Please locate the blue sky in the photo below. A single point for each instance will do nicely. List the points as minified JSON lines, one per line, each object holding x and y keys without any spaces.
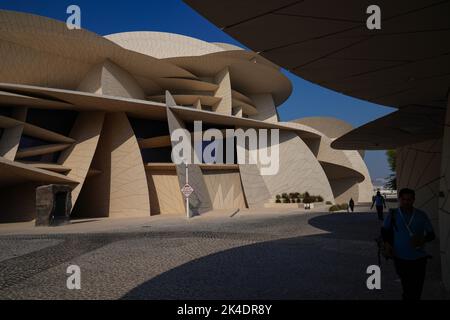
{"x":106,"y":17}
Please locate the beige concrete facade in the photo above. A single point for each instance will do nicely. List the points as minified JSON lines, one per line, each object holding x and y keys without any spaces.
{"x":298,"y":170}
{"x":97,"y":113}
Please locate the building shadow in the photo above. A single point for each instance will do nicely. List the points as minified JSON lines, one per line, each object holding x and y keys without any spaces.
{"x":323,"y":266}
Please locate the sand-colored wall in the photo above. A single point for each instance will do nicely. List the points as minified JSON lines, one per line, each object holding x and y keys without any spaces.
{"x":223,"y":92}
{"x":255,"y":189}
{"x":225,"y":190}
{"x":9,"y":142}
{"x":344,"y":190}
{"x":86,"y":131}
{"x":163,"y":45}
{"x":299,"y":170}
{"x":425,"y":167}
{"x":331,"y":128}
{"x":365,"y":188}
{"x":265,"y":106}
{"x":120,"y":189}
{"x":30,"y":66}
{"x":109,"y":79}
{"x":163,"y":187}
{"x":418,"y":168}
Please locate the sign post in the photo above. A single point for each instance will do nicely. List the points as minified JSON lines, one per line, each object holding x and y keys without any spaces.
{"x":187,"y":195}
{"x":187,"y":191}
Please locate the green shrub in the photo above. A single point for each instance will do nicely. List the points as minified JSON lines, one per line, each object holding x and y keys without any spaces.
{"x":308,"y":199}
{"x":338,"y":207}
{"x":328,"y":203}
{"x":334,"y":208}
{"x":297,"y":197}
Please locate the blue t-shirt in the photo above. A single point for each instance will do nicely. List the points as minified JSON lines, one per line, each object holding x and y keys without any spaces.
{"x":420,"y":225}
{"x":379,"y":200}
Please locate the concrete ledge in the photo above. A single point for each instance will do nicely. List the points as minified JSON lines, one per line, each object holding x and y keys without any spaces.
{"x":293,"y":205}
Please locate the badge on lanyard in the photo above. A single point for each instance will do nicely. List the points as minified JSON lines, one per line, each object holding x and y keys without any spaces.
{"x":416,"y":240}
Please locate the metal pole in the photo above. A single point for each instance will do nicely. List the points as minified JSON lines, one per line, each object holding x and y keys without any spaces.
{"x":187,"y":198}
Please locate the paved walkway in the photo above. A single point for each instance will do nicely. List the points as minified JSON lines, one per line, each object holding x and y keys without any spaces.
{"x":251,"y":255}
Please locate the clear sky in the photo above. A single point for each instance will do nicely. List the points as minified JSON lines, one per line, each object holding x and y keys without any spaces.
{"x":106,"y":17}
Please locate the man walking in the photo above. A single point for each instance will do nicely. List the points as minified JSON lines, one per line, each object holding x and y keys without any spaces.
{"x":379,"y":203}
{"x":405,"y":232}
{"x":351,"y":205}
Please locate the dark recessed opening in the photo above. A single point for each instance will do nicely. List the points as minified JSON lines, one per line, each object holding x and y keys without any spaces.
{"x":59,"y":209}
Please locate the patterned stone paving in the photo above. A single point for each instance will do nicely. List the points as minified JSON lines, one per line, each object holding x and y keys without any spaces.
{"x":272,"y":256}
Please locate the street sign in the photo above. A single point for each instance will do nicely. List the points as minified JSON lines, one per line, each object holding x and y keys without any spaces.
{"x":187,"y":190}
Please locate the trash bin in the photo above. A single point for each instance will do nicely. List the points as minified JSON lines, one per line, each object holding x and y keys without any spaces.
{"x":53,"y":205}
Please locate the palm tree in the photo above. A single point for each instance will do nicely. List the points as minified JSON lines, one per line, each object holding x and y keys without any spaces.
{"x":392,"y":179}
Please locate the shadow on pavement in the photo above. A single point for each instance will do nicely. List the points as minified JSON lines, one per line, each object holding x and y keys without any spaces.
{"x":348,"y":226}
{"x":324,"y":266}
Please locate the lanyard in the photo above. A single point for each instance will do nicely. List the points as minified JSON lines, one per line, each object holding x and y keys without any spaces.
{"x":410,"y":221}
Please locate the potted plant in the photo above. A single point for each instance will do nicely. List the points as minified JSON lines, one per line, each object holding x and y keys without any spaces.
{"x":307,"y":200}
{"x":278,"y":199}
